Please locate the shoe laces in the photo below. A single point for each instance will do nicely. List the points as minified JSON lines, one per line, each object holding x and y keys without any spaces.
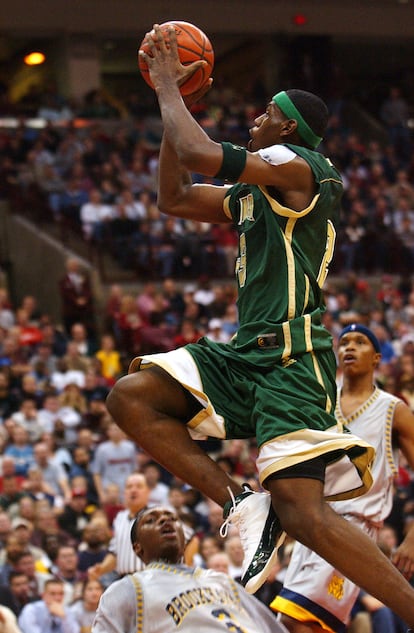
{"x":230,"y":517}
{"x":233,"y":518}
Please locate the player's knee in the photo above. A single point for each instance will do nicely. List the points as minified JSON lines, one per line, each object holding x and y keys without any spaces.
{"x":122,"y":396}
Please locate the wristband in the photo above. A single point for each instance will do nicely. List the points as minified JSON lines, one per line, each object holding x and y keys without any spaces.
{"x":234,"y":162}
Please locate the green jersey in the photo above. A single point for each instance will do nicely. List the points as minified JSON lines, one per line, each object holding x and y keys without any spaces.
{"x":282,"y":264}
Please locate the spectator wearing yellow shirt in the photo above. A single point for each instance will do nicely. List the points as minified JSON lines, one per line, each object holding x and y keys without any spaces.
{"x":109,"y":358}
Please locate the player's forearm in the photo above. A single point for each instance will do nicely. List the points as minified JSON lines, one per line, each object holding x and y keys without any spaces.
{"x":193,"y":146}
{"x":173,"y":183}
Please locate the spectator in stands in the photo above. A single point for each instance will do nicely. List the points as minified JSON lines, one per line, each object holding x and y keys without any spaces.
{"x":394,"y":112}
{"x":94,"y":216}
{"x":9,"y":556}
{"x":36,"y":488}
{"x":158,"y":489}
{"x":65,"y":568}
{"x":94,"y":544}
{"x":120,"y":555}
{"x":8,"y":469}
{"x":49,"y":614}
{"x":16,"y":593}
{"x":36,"y":572}
{"x":20,"y":449}
{"x":11,"y":494}
{"x":75,"y":515}
{"x":76,"y":295}
{"x":9,"y":401}
{"x":109,"y":358}
{"x":27,"y":417}
{"x":53,"y":474}
{"x":114,"y":460}
{"x":84,"y":609}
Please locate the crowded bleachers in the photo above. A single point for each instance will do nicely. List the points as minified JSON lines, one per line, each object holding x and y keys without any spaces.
{"x":94,"y":172}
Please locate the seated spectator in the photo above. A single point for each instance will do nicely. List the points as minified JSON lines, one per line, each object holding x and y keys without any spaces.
{"x":5,"y":528}
{"x":50,"y":613}
{"x":47,"y":533}
{"x":68,"y":204}
{"x":8,"y":469}
{"x":114,"y":460}
{"x":8,"y":557}
{"x":94,"y":544}
{"x":95,"y":386}
{"x":109,"y":358}
{"x":81,"y":466}
{"x":75,"y":514}
{"x":11,"y":494}
{"x":84,"y":609}
{"x":16,"y":593}
{"x":64,"y":376}
{"x":235,"y":553}
{"x":65,"y":568}
{"x":113,"y":502}
{"x":84,"y":344}
{"x":53,"y":475}
{"x":94,"y":216}
{"x":27,"y":417}
{"x":36,"y":572}
{"x":9,"y":401}
{"x":20,"y":449}
{"x":159,"y":491}
{"x":36,"y":488}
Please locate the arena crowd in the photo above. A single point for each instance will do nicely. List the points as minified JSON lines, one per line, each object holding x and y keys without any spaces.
{"x":64,"y":466}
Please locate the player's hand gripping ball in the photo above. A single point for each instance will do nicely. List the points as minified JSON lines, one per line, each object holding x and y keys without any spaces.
{"x":192,"y":45}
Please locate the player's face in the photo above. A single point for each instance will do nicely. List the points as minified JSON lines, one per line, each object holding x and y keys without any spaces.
{"x":160,"y":536}
{"x":267,"y":128}
{"x":356,"y":354}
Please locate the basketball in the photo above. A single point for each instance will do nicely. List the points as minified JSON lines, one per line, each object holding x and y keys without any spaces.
{"x":192,"y":45}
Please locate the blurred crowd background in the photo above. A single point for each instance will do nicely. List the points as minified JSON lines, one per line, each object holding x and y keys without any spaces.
{"x":87,"y":171}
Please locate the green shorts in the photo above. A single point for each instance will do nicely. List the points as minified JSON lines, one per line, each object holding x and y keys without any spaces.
{"x":267,"y":402}
{"x":288,"y":408}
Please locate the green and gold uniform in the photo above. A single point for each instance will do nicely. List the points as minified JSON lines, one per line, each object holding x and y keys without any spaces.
{"x":275,"y":380}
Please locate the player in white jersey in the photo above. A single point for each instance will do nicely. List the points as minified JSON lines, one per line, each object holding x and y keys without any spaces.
{"x":315,"y":595}
{"x":168,"y":595}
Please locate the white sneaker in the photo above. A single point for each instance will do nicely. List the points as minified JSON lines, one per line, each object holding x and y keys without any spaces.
{"x":260,"y":533}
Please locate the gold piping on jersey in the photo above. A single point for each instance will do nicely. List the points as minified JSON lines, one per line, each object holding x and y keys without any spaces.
{"x":308,"y":332}
{"x":290,"y":225}
{"x":339,"y":182}
{"x":287,"y":212}
{"x":287,"y":340}
{"x":388,"y":437}
{"x":388,"y":423}
{"x":345,"y":421}
{"x":307,"y":291}
{"x":226,"y":207}
{"x":318,"y":373}
{"x":139,"y":603}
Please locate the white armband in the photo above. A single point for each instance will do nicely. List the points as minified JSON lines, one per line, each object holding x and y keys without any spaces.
{"x":277,"y":154}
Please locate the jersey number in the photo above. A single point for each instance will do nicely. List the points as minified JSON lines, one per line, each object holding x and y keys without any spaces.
{"x":224,"y":616}
{"x":329,"y":251}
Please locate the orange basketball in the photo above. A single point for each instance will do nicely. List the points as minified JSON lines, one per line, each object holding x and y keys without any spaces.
{"x":192,"y":45}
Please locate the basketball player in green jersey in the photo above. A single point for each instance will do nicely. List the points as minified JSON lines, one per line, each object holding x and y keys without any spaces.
{"x":276,"y":379}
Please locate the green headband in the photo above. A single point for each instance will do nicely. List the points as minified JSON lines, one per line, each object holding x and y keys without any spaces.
{"x":289,"y":109}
